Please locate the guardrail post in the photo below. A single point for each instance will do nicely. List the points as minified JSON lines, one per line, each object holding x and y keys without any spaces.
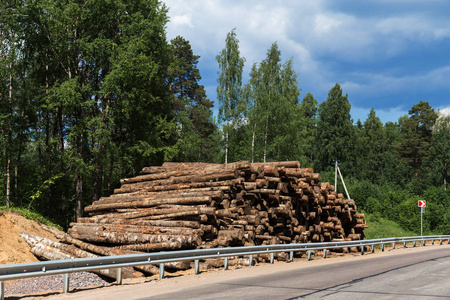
{"x":414,"y":244}
{"x":432,"y":242}
{"x":291,"y":256}
{"x":324,"y":253}
{"x":66,"y":280}
{"x":382,"y":247}
{"x":404,"y":244}
{"x":440,"y":242}
{"x":250,"y":260}
{"x":225,"y":263}
{"x":362,"y":250}
{"x":309,"y":254}
{"x":2,"y":290}
{"x":373,"y":248}
{"x":271,"y":257}
{"x":119,"y":275}
{"x":423,"y":243}
{"x":197,"y":268}
{"x":448,"y":241}
{"x":161,"y":270}
{"x":393,"y":245}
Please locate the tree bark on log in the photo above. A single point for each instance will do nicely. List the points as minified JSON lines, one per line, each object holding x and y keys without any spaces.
{"x":51,"y":250}
{"x":130,"y":188}
{"x":148,"y":202}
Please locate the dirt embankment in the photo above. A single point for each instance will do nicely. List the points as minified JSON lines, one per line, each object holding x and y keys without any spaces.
{"x":13,"y":249}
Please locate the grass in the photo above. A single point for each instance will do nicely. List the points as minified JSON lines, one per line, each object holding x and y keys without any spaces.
{"x":383,"y":228}
{"x":30,"y":215}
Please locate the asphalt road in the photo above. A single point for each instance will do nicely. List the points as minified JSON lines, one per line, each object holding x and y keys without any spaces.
{"x":414,"y":275}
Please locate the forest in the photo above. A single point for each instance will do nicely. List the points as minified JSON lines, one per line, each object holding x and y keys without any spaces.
{"x":93,"y":91}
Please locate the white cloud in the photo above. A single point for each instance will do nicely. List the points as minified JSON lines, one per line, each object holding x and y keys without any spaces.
{"x":445,"y":111}
{"x":323,"y":24}
{"x":325,"y":43}
{"x":182,"y":20}
{"x":416,"y":26}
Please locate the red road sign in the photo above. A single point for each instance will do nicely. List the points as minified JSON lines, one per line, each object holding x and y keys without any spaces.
{"x":422,"y":203}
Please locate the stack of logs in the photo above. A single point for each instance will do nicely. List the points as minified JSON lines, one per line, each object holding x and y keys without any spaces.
{"x":200,"y":205}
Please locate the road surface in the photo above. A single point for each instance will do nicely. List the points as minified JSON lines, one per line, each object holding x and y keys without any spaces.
{"x":419,"y":273}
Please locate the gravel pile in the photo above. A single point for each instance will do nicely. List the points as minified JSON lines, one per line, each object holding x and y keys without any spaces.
{"x":53,"y":283}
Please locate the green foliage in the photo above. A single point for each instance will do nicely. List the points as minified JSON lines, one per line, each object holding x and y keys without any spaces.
{"x":417,"y":130}
{"x":383,"y":228}
{"x":30,"y":215}
{"x":307,"y":129}
{"x":335,"y":131}
{"x":273,"y":109}
{"x":192,"y":109}
{"x":92,"y":91}
{"x":439,"y":166}
{"x":229,"y":89}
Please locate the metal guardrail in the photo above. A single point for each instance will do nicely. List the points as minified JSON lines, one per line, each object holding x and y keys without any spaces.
{"x":44,"y":268}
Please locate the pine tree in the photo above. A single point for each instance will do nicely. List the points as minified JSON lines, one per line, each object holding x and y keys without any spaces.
{"x":440,"y":152}
{"x":372,"y":148}
{"x":307,"y":129}
{"x":335,"y":131}
{"x":191,"y":106}
{"x":417,"y":132}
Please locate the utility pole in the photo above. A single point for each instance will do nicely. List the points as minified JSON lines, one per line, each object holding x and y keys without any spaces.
{"x":335,"y":175}
{"x":336,"y":171}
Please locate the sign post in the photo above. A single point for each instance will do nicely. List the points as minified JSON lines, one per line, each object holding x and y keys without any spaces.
{"x":421,"y":204}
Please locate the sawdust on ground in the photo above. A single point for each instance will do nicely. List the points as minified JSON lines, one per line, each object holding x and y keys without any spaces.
{"x":13,"y":249}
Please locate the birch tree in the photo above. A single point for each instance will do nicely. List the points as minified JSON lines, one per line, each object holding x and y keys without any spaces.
{"x":229,"y":89}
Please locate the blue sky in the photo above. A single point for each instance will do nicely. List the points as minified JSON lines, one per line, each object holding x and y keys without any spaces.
{"x":386,"y":54}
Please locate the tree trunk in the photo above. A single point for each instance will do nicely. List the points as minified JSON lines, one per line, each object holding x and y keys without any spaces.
{"x":51,"y":250}
{"x":99,"y":235}
{"x":8,"y":152}
{"x":176,"y":186}
{"x":226,"y":143}
{"x":79,"y":194}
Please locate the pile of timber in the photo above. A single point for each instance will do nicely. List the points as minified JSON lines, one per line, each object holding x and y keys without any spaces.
{"x":201,"y":205}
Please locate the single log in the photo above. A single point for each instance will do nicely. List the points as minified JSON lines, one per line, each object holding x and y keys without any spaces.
{"x":207,"y":170}
{"x":201,"y":164}
{"x":157,"y":169}
{"x":300,"y":173}
{"x":197,"y":212}
{"x":140,"y":196}
{"x":177,"y":266}
{"x":153,"y":247}
{"x":156,"y":214}
{"x":98,"y":235}
{"x":179,"y":186}
{"x":162,"y":223}
{"x":138,"y":229}
{"x":188,"y":192}
{"x":286,"y":164}
{"x":354,"y":236}
{"x":225,"y":175}
{"x":148,"y":202}
{"x":186,"y":164}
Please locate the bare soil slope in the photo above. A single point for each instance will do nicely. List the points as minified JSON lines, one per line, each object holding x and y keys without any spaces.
{"x":13,"y":249}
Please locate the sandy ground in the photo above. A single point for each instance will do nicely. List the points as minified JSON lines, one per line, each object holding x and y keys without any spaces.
{"x":141,"y":288}
{"x":13,"y":249}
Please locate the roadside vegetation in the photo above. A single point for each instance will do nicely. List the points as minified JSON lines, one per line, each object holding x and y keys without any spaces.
{"x":92,"y":92}
{"x":30,"y":215}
